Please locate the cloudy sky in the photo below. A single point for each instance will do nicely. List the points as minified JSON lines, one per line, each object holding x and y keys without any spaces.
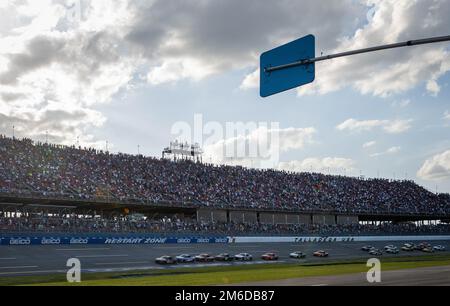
{"x":130,"y":72}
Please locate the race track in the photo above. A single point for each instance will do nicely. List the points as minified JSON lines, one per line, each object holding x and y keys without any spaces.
{"x":431,"y":276}
{"x":43,"y":260}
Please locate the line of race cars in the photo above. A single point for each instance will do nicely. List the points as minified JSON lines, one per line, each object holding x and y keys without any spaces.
{"x":407,"y":247}
{"x":272,"y":256}
{"x":225,"y":257}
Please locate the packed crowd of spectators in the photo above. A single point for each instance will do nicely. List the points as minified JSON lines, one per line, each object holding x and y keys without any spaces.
{"x":48,"y":170}
{"x":40,"y":223}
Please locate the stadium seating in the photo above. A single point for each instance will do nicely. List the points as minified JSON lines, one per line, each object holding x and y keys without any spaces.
{"x":74,"y":173}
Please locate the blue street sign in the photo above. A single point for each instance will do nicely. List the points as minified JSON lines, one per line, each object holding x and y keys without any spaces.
{"x":280,"y":80}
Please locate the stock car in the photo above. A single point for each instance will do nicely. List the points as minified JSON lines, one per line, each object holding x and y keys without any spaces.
{"x":392,"y":250}
{"x":297,"y":255}
{"x":320,"y":254}
{"x":389,"y":247}
{"x":204,"y":258}
{"x":269,"y":256}
{"x":165,"y":260}
{"x":439,"y":248}
{"x":224,"y":257}
{"x":184,"y":258}
{"x":407,"y":247}
{"x":243,"y":257}
{"x":375,"y":252}
{"x":422,"y":246}
{"x":428,"y":249}
{"x":366,"y":248}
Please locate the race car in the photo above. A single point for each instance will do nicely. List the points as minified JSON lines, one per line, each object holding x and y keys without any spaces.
{"x":243,"y":257}
{"x":269,"y":256}
{"x":375,"y":252}
{"x":297,"y":255}
{"x":224,"y":257}
{"x":392,"y":251}
{"x":366,"y":248}
{"x":204,"y":258}
{"x":165,"y":260}
{"x":407,"y":247}
{"x":422,"y":246}
{"x":389,"y":247}
{"x":427,"y":250}
{"x":320,"y":254}
{"x":439,"y":248}
{"x":185,"y":258}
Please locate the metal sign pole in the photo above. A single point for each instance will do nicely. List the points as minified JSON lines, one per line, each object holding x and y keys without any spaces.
{"x":366,"y":50}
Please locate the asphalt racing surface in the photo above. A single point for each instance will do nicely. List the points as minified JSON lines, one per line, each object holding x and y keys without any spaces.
{"x":432,"y":276}
{"x":42,"y":260}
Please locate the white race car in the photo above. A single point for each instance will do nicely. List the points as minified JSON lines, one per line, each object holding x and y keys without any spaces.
{"x":367,"y":248}
{"x":375,"y":252}
{"x":297,"y":255}
{"x":243,"y":257}
{"x":389,"y":247}
{"x":439,"y":248}
{"x":392,"y":250}
{"x":184,"y":258}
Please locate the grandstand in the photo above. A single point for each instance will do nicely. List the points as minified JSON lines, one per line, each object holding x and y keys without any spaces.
{"x":40,"y":179}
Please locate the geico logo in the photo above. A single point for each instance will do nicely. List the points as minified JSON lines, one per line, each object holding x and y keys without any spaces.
{"x":20,"y":241}
{"x":184,"y":240}
{"x":50,"y":241}
{"x":79,"y":241}
{"x":221,"y":240}
{"x":202,"y":240}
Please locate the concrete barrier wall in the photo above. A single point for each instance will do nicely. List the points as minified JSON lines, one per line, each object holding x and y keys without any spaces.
{"x":330,"y":219}
{"x":220,"y":216}
{"x":305,"y":219}
{"x":307,"y":239}
{"x":250,"y":217}
{"x":266,"y":218}
{"x":279,"y":218}
{"x":324,"y":219}
{"x":237,"y":216}
{"x":292,"y":219}
{"x":347,"y":220}
{"x":204,"y":215}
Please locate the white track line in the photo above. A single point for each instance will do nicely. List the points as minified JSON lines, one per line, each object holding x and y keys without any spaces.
{"x":99,"y":256}
{"x":90,"y":249}
{"x":120,"y":263}
{"x":31,"y":272}
{"x":18,"y":267}
{"x":175,"y":248}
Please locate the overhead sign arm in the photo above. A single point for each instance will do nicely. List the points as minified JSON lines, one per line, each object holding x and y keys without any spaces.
{"x":366,"y":50}
{"x":269,"y":71}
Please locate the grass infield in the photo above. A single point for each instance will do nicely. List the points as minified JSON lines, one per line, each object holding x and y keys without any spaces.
{"x":229,"y":274}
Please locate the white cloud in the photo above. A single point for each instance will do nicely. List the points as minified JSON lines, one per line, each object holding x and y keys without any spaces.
{"x":433,"y":87}
{"x":402,"y":104}
{"x":436,"y":168}
{"x":390,"y":151}
{"x":324,"y":165}
{"x":257,"y":147}
{"x":369,"y":144}
{"x":227,"y":35}
{"x":447,"y":115}
{"x":394,"y":71}
{"x":251,"y":80}
{"x":389,"y":126}
{"x":53,"y":71}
